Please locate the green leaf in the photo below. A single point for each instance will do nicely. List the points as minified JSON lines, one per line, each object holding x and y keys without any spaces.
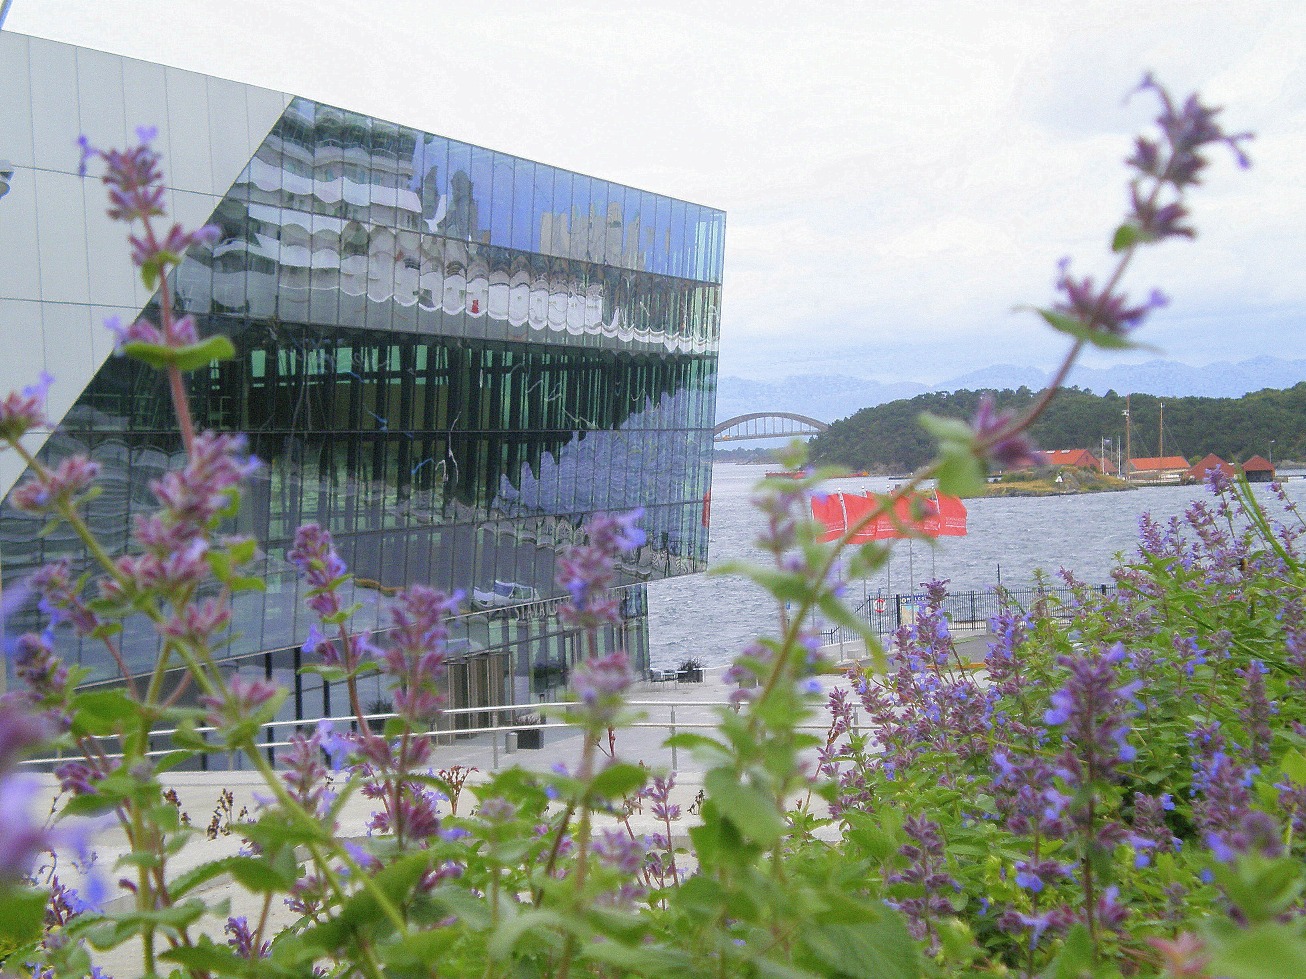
{"x":960,"y":472}
{"x":640,"y":960}
{"x":752,"y":811}
{"x":542,"y":921}
{"x":1268,"y":951}
{"x":24,"y":914}
{"x":187,"y":358}
{"x":878,"y":949}
{"x":1094,"y":336}
{"x":1293,"y":765}
{"x":1126,"y":236}
{"x":99,"y":712}
{"x":264,"y":876}
{"x":1075,"y":959}
{"x":618,"y":780}
{"x":201,"y":354}
{"x":206,"y":956}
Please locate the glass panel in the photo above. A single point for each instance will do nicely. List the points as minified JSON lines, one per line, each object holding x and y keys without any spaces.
{"x":718,"y":245}
{"x":561,"y":210}
{"x":648,"y":206}
{"x":482,"y":185}
{"x":524,"y":225}
{"x":661,"y":257}
{"x":678,"y":244}
{"x":502,"y":204}
{"x":579,"y":223}
{"x":457,"y":221}
{"x":407,"y":271}
{"x":542,"y":208}
{"x":631,"y":202}
{"x":598,"y":233}
{"x":431,"y":167}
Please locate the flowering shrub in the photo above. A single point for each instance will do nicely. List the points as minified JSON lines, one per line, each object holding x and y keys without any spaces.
{"x":1127,"y":795}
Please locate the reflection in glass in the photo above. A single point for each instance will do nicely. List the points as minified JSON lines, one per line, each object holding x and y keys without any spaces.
{"x":447,"y":356}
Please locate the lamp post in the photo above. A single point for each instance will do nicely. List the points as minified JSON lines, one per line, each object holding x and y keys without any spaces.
{"x":1271,"y":453}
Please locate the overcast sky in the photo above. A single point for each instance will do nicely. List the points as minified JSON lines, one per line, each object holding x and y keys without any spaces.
{"x":897,"y":175}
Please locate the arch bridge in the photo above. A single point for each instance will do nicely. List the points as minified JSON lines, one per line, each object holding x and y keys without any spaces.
{"x":766,"y":425}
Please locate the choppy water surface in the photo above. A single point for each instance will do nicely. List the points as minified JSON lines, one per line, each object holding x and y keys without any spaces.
{"x":713,"y":617}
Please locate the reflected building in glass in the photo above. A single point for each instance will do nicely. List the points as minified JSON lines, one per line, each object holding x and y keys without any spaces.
{"x":447,"y":355}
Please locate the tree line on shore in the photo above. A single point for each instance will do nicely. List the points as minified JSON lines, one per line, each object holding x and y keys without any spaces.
{"x":889,"y":437}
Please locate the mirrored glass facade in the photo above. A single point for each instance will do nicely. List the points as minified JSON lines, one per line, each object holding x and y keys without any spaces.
{"x":448,"y":356}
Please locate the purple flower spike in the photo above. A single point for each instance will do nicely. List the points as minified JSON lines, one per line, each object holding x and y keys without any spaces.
{"x":21,"y":412}
{"x":1102,"y":310}
{"x":588,"y":572}
{"x":599,"y":684}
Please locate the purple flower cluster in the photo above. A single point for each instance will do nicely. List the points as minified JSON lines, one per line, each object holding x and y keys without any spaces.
{"x":991,"y":430}
{"x":243,"y":700}
{"x":600,"y":684}
{"x":137,"y":192}
{"x":416,"y":653}
{"x":48,"y":490}
{"x":1094,"y":712}
{"x":1186,"y":130}
{"x":1101,"y":310}
{"x":242,"y":940}
{"x":928,"y":704}
{"x":928,"y":876}
{"x":23,"y":411}
{"x":588,"y":572}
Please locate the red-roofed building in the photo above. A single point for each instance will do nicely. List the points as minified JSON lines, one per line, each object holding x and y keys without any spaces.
{"x":1258,"y":470}
{"x":1157,"y":469}
{"x":1079,"y":459}
{"x":1197,"y":473}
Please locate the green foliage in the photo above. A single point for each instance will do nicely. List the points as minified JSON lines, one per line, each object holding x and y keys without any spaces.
{"x":888,"y":437}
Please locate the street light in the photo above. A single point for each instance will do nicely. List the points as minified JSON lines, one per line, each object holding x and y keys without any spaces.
{"x":1271,"y":453}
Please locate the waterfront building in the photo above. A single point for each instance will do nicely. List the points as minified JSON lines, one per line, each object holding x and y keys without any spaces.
{"x":447,"y":355}
{"x":1197,"y":472}
{"x":1258,"y":469}
{"x":1079,"y":459}
{"x":1157,"y":469}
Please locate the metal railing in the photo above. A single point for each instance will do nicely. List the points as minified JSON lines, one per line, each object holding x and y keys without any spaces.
{"x":271,"y":743}
{"x":886,"y":614}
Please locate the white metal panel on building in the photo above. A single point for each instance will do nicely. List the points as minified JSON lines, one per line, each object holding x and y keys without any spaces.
{"x":64,"y":266}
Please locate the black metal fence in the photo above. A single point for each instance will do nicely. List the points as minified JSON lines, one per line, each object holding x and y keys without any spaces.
{"x":964,"y":609}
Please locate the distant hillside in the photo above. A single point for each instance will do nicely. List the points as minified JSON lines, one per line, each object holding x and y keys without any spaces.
{"x":888,"y":437}
{"x":831,"y":396}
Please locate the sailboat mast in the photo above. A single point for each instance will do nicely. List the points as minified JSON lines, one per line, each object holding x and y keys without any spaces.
{"x":1161,"y":448}
{"x":1129,"y":452}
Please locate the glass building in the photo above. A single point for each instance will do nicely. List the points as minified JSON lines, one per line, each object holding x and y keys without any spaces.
{"x":447,"y":355}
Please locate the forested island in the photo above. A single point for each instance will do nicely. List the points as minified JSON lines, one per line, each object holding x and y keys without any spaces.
{"x":888,"y":438}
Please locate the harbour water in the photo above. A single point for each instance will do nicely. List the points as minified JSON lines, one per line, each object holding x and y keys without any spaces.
{"x":713,"y":617}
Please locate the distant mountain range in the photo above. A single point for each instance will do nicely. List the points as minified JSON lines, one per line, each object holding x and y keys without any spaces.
{"x":832,"y":396}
